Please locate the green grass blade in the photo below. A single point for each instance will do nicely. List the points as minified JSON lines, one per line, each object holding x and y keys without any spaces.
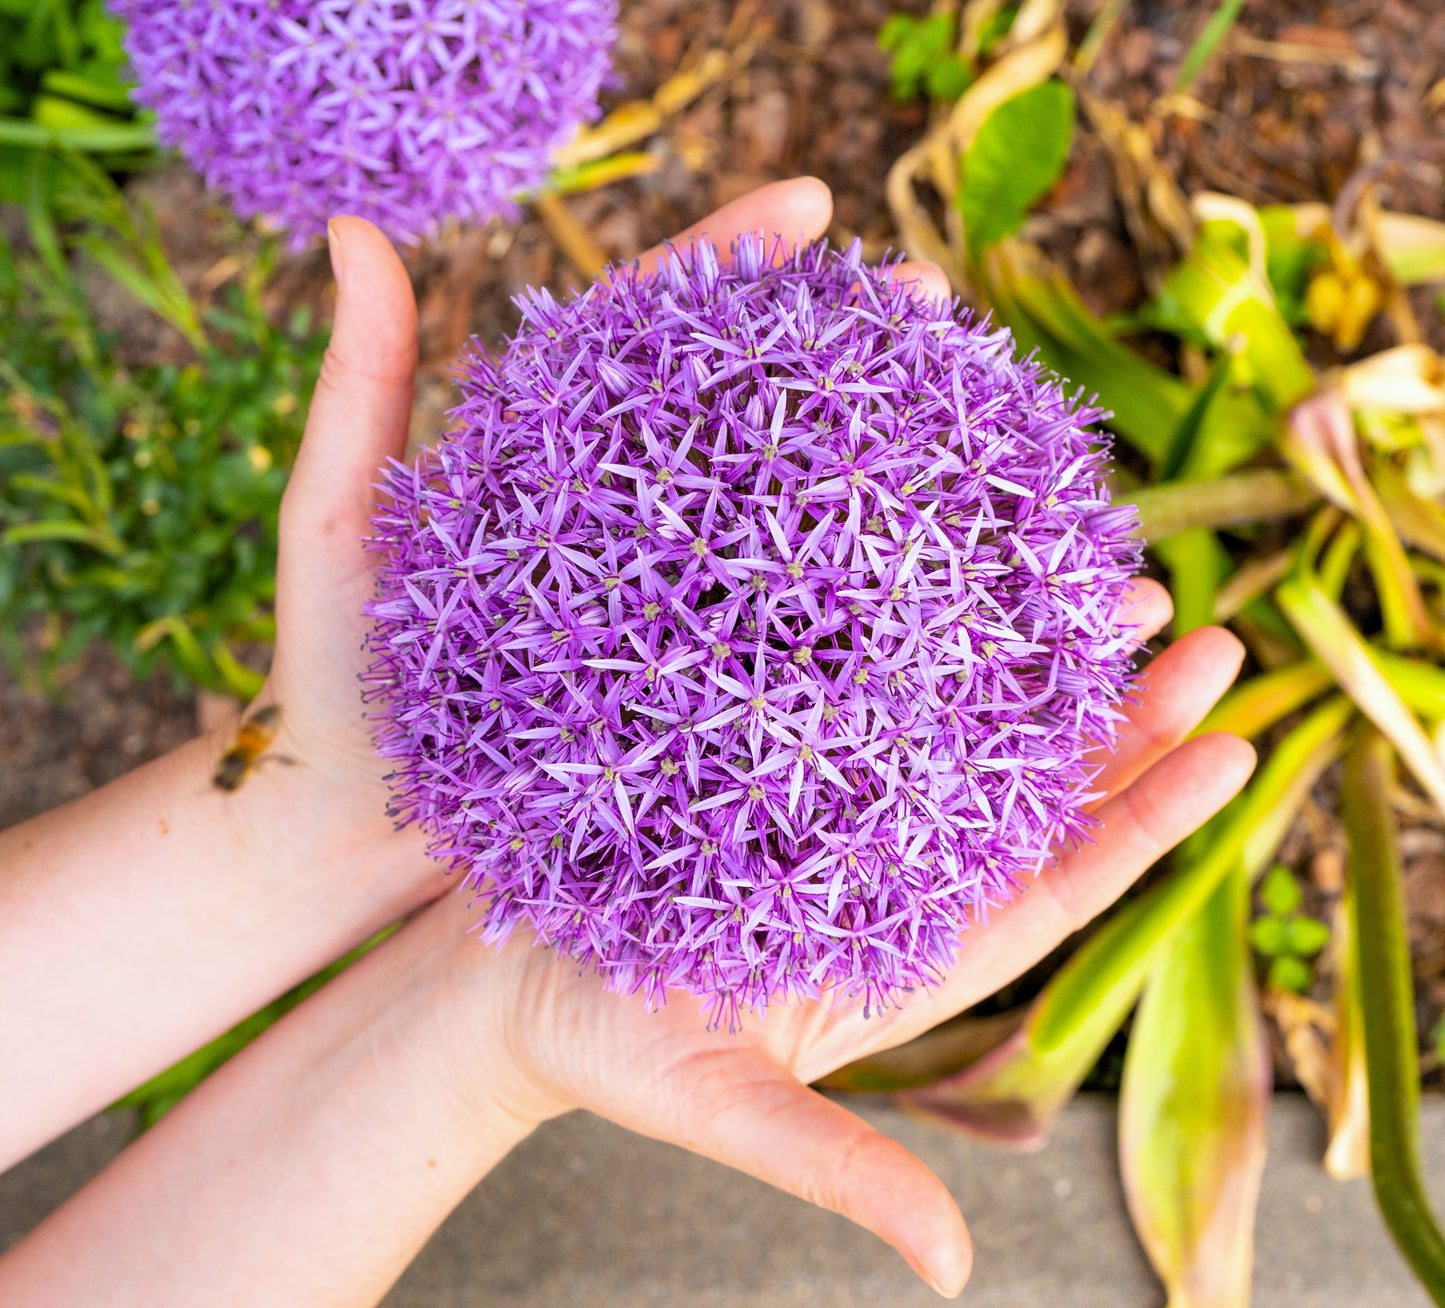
{"x":1206,"y":43}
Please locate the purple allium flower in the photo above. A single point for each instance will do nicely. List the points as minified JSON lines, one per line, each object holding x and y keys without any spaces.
{"x":405,"y":112}
{"x":750,"y":634}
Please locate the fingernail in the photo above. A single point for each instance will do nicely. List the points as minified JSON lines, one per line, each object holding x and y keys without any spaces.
{"x":338,"y":260}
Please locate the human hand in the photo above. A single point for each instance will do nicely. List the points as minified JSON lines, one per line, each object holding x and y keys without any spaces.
{"x":336,"y":801}
{"x":742,"y":1099}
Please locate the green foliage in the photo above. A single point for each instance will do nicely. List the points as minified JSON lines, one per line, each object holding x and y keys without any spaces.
{"x":161,"y":1093}
{"x":138,"y":506}
{"x":1284,"y":935}
{"x":63,"y":81}
{"x":1385,"y":992}
{"x":1290,"y":261}
{"x":1206,"y":43}
{"x":1216,"y":298}
{"x":994,"y":28}
{"x":1016,"y":157}
{"x":924,"y":57}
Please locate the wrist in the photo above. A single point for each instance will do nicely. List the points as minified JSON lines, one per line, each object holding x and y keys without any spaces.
{"x":316,"y":820}
{"x":495,"y":1005}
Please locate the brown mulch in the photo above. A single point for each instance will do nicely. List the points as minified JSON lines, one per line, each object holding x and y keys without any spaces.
{"x":1302,"y":95}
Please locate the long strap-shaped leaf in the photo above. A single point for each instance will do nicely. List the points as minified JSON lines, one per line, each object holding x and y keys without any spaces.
{"x":1387,"y":1006}
{"x":1339,"y":646}
{"x":1192,"y":1107}
{"x":1012,"y":1094}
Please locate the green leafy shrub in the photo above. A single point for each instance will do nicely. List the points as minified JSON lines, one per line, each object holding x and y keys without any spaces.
{"x":924,"y":58}
{"x":138,"y":506}
{"x":63,"y":82}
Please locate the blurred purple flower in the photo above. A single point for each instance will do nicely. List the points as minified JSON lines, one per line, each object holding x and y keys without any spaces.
{"x":750,"y":634}
{"x":405,"y":112}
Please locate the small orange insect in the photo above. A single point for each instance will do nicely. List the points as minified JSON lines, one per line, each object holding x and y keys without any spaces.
{"x":255,"y":737}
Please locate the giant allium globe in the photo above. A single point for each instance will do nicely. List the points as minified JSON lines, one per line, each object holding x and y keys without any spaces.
{"x":750,"y":635}
{"x":406,"y":112}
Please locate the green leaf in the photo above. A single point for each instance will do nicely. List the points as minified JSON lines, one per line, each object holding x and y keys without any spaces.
{"x":1206,"y":43}
{"x":1290,"y":973}
{"x":1014,"y":1092}
{"x":1387,"y":1008}
{"x":948,"y":79}
{"x":1268,"y":936}
{"x":124,"y":136}
{"x":60,"y":529}
{"x":1015,"y":158}
{"x":1279,"y":892}
{"x":1308,"y":935}
{"x":1192,"y":1106}
{"x":896,"y":29}
{"x":1197,"y":564}
{"x":1216,"y":296}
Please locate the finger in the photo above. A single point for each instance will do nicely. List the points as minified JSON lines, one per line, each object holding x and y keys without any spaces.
{"x":1147,"y":608}
{"x":740,"y":1109}
{"x":362,"y":404}
{"x":1174,"y":693}
{"x":798,"y":210}
{"x":1137,"y":827}
{"x":925,"y":281}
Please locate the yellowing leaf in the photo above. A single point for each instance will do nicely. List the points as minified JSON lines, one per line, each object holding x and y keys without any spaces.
{"x":1192,"y":1107}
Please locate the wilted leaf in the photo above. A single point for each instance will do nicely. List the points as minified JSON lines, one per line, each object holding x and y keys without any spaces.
{"x":1250,"y":709}
{"x":942,"y":1052}
{"x":1340,"y":647}
{"x":1320,"y":440}
{"x":1241,"y":497}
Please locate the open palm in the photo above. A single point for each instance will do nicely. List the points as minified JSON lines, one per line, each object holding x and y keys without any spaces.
{"x":739,"y":1098}
{"x":742,"y":1098}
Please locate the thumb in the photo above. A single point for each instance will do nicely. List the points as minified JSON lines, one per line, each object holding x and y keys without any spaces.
{"x":362,"y":404}
{"x":760,"y":1120}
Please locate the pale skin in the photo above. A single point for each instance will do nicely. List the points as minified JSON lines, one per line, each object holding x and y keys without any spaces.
{"x":142,"y":920}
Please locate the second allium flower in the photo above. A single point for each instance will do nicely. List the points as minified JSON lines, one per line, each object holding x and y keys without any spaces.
{"x":751,"y":634}
{"x":405,"y":112}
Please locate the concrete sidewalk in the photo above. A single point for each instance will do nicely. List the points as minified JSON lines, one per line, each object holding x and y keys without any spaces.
{"x":584,"y":1215}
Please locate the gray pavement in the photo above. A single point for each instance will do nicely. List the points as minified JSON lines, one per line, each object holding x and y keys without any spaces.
{"x":584,"y":1215}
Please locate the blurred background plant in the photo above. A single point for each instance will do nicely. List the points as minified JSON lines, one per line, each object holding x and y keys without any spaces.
{"x":63,"y":83}
{"x":1290,"y":487}
{"x":138,"y":505}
